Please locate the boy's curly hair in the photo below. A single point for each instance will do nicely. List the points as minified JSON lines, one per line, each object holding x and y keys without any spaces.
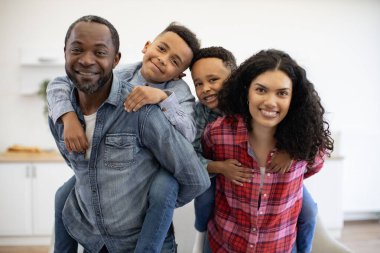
{"x":303,"y":132}
{"x":186,"y":34}
{"x":221,"y":53}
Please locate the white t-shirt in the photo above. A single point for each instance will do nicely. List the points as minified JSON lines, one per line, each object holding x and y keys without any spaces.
{"x":90,"y":126}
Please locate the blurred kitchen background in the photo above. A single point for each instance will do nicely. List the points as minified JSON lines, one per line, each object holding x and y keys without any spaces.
{"x":336,"y":41}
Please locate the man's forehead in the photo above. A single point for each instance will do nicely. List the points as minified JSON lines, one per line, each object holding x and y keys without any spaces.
{"x":91,"y":29}
{"x":90,"y":32}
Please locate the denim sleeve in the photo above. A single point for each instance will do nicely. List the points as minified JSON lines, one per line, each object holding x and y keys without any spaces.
{"x":178,"y":108}
{"x":56,"y":139}
{"x":174,"y":153}
{"x":58,"y":97}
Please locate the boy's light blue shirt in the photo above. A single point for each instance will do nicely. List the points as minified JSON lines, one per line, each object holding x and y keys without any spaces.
{"x":178,"y":107}
{"x":109,"y":201}
{"x":203,"y":115}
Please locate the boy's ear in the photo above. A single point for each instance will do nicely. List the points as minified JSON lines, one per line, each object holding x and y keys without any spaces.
{"x":147,"y":44}
{"x":179,"y":76}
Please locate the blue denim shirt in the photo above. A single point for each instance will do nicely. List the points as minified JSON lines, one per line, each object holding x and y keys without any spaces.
{"x":178,"y":107}
{"x":109,"y":201}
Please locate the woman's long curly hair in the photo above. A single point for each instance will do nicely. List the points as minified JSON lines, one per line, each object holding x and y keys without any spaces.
{"x":303,"y":132}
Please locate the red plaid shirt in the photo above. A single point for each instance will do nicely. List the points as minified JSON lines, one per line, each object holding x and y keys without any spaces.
{"x":238,"y":223}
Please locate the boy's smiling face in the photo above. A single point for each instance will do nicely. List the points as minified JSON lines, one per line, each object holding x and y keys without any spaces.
{"x":208,"y":76}
{"x":165,"y":58}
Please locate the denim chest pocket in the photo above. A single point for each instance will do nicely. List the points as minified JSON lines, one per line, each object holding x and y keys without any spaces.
{"x":120,"y":150}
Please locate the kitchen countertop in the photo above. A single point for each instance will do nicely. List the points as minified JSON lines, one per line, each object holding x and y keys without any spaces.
{"x":43,"y":156}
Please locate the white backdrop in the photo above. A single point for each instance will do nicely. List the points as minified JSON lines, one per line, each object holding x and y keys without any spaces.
{"x":337,"y":42}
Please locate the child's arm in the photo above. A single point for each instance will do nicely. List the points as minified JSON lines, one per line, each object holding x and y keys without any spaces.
{"x":73,"y":133}
{"x":176,"y":102}
{"x":230,"y":168}
{"x":317,"y":165}
{"x":281,"y":162}
{"x":59,"y":105}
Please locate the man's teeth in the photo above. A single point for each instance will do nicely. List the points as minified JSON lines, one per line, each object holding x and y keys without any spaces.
{"x":86,"y":74}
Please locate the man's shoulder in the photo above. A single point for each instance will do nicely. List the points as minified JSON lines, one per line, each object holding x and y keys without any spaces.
{"x":126,"y":71}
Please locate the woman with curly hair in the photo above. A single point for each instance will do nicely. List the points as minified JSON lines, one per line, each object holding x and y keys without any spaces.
{"x":269,"y":106}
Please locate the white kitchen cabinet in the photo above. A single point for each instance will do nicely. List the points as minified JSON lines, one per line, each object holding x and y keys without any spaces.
{"x":326,"y":188}
{"x":27,"y":191}
{"x":15,"y":199}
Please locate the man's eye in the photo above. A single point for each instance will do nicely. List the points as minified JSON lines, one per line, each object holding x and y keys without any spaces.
{"x":76,"y":50}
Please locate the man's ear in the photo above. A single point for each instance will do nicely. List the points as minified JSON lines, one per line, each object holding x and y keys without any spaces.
{"x":146,"y":46}
{"x":116,"y":60}
{"x":179,"y":76}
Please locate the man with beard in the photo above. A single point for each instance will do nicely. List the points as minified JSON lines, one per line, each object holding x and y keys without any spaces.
{"x":105,"y":210}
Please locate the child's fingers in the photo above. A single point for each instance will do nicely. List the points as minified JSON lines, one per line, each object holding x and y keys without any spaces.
{"x":75,"y":146}
{"x":83,"y":143}
{"x":139,"y":105}
{"x":246,"y":172}
{"x":236,"y":182}
{"x":131,"y":103}
{"x":68,"y":147}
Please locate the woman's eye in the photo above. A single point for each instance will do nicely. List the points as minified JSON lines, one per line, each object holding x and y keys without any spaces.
{"x":260,"y":90}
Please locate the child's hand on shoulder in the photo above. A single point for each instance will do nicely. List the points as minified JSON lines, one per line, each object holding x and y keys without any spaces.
{"x":235,"y":172}
{"x":73,"y":133}
{"x":281,"y":162}
{"x":143,"y":95}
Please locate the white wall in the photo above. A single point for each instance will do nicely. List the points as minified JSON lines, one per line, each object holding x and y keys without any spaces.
{"x":337,"y":42}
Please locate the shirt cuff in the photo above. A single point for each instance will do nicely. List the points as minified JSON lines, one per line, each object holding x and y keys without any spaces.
{"x":168,"y":106}
{"x":59,"y":109}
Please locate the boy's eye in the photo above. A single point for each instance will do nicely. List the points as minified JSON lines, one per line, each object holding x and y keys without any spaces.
{"x":101,"y":53}
{"x":197,"y":84}
{"x":175,"y":62}
{"x":213,"y":80}
{"x":160,"y":48}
